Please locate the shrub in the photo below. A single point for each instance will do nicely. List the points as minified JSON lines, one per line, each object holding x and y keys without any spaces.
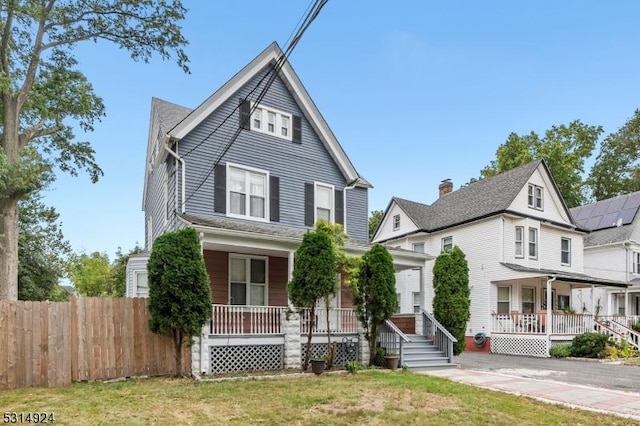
{"x":355,"y":366}
{"x":621,"y":349}
{"x":589,"y":345}
{"x":561,"y":350}
{"x":636,"y":326}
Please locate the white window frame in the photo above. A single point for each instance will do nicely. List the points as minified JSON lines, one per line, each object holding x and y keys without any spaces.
{"x":136,"y":286}
{"x":277,"y":125}
{"x":636,"y":262}
{"x":568,"y":251}
{"x":332,"y":201}
{"x":417,"y":246}
{"x":396,"y":222}
{"x":519,"y":243}
{"x":413,"y":300}
{"x":522,"y":301}
{"x":445,"y":244}
{"x":498,"y":301}
{"x":399,"y":296}
{"x":533,"y":241}
{"x":249,"y":171}
{"x":535,"y":197}
{"x":247,"y":259}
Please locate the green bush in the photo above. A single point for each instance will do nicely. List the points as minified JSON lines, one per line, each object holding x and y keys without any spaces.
{"x":589,"y":345}
{"x":561,"y":350}
{"x":636,"y":326}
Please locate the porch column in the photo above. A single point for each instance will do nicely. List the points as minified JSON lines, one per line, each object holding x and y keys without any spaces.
{"x":423,"y":293}
{"x":626,"y":301}
{"x":291,"y":328}
{"x":593,"y":301}
{"x":548,"y":320}
{"x":609,"y":304}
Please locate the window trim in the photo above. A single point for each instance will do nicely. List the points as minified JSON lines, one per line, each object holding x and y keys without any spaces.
{"x":635,"y":262}
{"x":413,"y":247}
{"x":413,"y":302}
{"x":532,"y":198}
{"x":248,"y":258}
{"x":332,"y":195}
{"x":442,"y":243}
{"x":396,"y":223}
{"x":534,"y":242}
{"x":522,"y":301}
{"x":136,"y":287}
{"x":521,"y":241}
{"x":267,"y":193}
{"x":568,"y":251}
{"x":498,"y":301}
{"x":264,"y":121}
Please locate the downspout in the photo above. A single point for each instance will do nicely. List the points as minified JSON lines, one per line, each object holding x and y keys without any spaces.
{"x":549,"y":322}
{"x":344,"y":205}
{"x":183,"y":170}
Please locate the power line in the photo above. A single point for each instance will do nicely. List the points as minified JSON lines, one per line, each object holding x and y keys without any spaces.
{"x":311,"y":15}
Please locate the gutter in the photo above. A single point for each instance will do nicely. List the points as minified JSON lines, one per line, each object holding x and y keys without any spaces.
{"x":167,"y":139}
{"x":352,"y":185}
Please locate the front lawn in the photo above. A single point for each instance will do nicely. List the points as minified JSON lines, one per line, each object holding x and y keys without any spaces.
{"x":368,"y":398}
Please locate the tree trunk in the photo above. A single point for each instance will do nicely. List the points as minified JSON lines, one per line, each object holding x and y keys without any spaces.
{"x":9,"y":248}
{"x":373,"y":335}
{"x":177,"y":341}
{"x":307,"y":353}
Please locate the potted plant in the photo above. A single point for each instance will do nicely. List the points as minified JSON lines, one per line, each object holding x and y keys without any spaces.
{"x":392,"y":360}
{"x":318,"y":365}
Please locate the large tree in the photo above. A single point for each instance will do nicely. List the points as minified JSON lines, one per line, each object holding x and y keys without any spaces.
{"x":179,"y":292}
{"x":376,"y":299}
{"x":564,"y":147}
{"x":91,"y":275}
{"x":43,"y":94}
{"x":617,"y":167}
{"x":42,"y":250}
{"x":119,"y":269}
{"x":374,"y":221}
{"x":451,"y":303}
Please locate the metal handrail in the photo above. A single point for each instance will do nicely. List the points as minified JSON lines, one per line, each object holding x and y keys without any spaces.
{"x":395,"y":328}
{"x":439,"y":326}
{"x":441,"y":337}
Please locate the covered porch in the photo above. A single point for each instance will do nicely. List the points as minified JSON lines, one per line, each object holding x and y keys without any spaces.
{"x":541,"y":308}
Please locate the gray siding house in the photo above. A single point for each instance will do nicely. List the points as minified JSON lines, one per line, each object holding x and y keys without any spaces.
{"x":252,"y":173}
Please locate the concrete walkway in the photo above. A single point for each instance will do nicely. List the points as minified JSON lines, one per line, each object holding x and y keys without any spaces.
{"x":625,"y":404}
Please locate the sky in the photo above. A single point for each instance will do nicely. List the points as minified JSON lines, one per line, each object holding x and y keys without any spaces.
{"x":415,"y":91}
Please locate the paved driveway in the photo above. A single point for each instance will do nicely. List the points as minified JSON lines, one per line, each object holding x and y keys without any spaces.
{"x":589,"y":373}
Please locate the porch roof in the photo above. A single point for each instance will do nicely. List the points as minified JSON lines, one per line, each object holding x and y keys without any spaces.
{"x":565,"y":276}
{"x":287,"y":238}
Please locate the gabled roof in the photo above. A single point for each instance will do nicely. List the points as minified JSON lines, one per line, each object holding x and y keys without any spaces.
{"x":168,"y":114}
{"x":268,"y":57}
{"x":612,"y":220}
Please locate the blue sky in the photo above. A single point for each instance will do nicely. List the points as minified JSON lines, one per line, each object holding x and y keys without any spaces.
{"x":415,"y":91}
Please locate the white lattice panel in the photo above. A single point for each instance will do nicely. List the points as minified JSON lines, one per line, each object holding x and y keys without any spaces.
{"x":347,"y":350}
{"x":520,"y":345}
{"x":231,"y":359}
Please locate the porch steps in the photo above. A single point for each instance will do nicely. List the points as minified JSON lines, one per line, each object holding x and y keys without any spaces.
{"x":422,"y":354}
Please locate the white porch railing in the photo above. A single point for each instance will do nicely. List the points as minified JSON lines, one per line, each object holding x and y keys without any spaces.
{"x":341,"y":320}
{"x":519,"y":323}
{"x":572,"y":323}
{"x":239,"y":320}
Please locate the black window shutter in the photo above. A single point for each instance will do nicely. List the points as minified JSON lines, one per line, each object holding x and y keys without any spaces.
{"x":220,"y":189}
{"x":274,"y":198}
{"x":297,"y":129}
{"x":339,"y":200}
{"x":245,"y":109}
{"x":308,"y":204}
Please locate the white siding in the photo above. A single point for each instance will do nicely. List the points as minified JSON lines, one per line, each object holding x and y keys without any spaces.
{"x":386,"y":227}
{"x":135,"y":265}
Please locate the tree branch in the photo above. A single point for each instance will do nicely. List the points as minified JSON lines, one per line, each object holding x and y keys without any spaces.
{"x":37,"y":131}
{"x":6,"y":35}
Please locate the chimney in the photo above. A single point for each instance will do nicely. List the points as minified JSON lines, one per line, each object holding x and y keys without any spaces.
{"x":445,"y":187}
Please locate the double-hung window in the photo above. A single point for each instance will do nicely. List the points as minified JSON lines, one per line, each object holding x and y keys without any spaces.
{"x":416,"y":302}
{"x":247,"y":280}
{"x":528,"y":300}
{"x":519,"y":241}
{"x":533,"y":243}
{"x":504,"y":300}
{"x":636,"y":262}
{"x":447,"y":244}
{"x":565,"y":251}
{"x":534,"y":199}
{"x":396,"y":222}
{"x":418,"y":247}
{"x":271,"y":121}
{"x":247,"y":192}
{"x":325,"y":203}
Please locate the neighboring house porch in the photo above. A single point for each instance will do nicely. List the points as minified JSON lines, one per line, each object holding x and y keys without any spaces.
{"x":524,"y":323}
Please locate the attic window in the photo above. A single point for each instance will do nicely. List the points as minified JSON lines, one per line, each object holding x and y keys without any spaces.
{"x":272,"y":122}
{"x":535,"y":197}
{"x":396,"y":222}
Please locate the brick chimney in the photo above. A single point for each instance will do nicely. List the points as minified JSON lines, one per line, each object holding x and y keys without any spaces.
{"x":445,"y":187}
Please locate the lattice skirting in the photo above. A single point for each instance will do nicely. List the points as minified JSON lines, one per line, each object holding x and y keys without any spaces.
{"x":346,"y":350}
{"x":520,"y":345}
{"x":231,"y":359}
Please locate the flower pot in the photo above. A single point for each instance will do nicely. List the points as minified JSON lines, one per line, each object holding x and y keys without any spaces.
{"x":318,"y":366}
{"x":392,"y":361}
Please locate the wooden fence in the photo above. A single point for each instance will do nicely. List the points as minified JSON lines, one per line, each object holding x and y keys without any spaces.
{"x":53,"y":344}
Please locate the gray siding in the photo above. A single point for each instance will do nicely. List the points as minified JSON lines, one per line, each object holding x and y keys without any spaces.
{"x":154,"y":206}
{"x":135,"y":264}
{"x":293,"y":163}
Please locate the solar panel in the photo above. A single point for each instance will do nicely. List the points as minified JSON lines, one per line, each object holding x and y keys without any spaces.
{"x":593,"y":222}
{"x":601,"y":208}
{"x":633,"y":201}
{"x":583,"y":213}
{"x":627,"y":215}
{"x":610,"y":219}
{"x":608,"y":213}
{"x":616,"y":205}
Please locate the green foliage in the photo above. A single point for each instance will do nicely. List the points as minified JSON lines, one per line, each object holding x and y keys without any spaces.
{"x":636,"y":326}
{"x":589,"y":345}
{"x":91,"y":274}
{"x":355,"y":366}
{"x":563,"y":147}
{"x":376,"y":299}
{"x":621,"y":349}
{"x":560,"y":350}
{"x":617,"y":167}
{"x":451,"y":303}
{"x":345,"y":265}
{"x":374,"y":221}
{"x":179,"y":292}
{"x":119,"y":269}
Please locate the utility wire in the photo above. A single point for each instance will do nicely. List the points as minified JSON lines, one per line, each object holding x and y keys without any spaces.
{"x":273,"y":73}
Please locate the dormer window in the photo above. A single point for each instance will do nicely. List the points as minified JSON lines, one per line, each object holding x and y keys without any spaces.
{"x":535,"y":197}
{"x":396,"y":222}
{"x":257,"y":119}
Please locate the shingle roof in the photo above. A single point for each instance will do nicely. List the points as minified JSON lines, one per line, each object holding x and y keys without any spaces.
{"x":614,"y":233}
{"x":474,"y":201}
{"x":566,"y":275}
{"x":168,"y":114}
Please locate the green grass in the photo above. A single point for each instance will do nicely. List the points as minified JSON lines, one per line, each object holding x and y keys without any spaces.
{"x":371,"y":398}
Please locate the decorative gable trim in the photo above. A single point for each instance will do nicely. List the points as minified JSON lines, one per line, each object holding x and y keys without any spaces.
{"x":269,"y":55}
